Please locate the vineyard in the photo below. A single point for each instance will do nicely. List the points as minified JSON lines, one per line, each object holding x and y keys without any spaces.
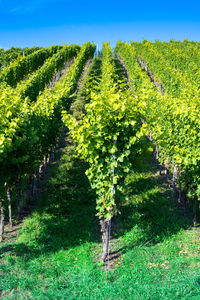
{"x":100,"y":171}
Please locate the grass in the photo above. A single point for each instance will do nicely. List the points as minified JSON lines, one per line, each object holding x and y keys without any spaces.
{"x":154,"y":250}
{"x":56,"y":253}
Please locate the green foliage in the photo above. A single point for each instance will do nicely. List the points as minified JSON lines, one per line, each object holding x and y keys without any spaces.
{"x":90,"y":81}
{"x":7,"y":56}
{"x":22,"y":66}
{"x":110,"y":126}
{"x":37,"y":82}
{"x":28,"y":132}
{"x":53,"y":257}
{"x":172,"y":118}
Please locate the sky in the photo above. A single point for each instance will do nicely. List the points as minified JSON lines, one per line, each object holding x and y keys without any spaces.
{"x":29,"y":23}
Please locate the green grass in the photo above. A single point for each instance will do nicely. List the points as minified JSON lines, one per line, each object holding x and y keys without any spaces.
{"x":56,"y":254}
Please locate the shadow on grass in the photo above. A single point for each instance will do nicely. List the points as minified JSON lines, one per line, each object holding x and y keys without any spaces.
{"x":66,"y":215}
{"x":6,"y":249}
{"x":149,"y":214}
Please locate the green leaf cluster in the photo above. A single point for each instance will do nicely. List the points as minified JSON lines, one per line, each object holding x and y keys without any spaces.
{"x":110,"y":127}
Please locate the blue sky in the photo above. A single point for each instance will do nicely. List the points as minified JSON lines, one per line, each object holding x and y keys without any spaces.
{"x":46,"y":22}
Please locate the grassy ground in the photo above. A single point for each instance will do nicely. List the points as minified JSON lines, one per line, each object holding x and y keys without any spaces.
{"x":154,"y":252}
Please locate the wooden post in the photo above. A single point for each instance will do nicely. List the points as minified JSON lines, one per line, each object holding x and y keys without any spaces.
{"x":2,"y":224}
{"x":19,"y":198}
{"x":9,"y":206}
